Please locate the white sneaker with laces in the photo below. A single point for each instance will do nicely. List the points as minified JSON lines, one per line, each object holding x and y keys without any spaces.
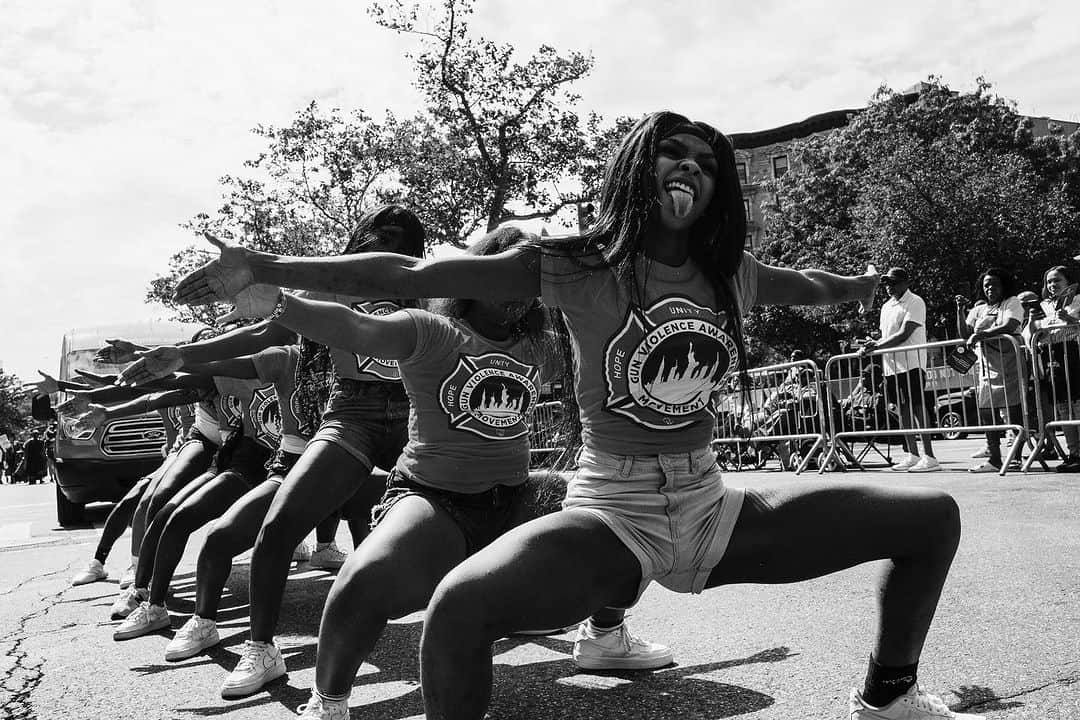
{"x":129,"y":599}
{"x":259,"y":664}
{"x":94,"y":572}
{"x":925,"y":464}
{"x":617,"y":649}
{"x":984,"y":467}
{"x":196,"y":635}
{"x":330,"y":557}
{"x":904,"y":465}
{"x":318,"y":708}
{"x":984,"y":453}
{"x":128,"y":578}
{"x":912,"y":705}
{"x":143,"y":620}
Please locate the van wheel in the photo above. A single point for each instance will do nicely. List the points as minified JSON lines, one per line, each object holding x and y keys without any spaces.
{"x":67,"y":512}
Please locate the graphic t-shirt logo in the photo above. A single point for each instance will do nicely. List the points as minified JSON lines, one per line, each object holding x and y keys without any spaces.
{"x":231,"y":412}
{"x":380,"y":368}
{"x":664,"y":364}
{"x":175,"y":418}
{"x":491,"y":395}
{"x":265,"y":416}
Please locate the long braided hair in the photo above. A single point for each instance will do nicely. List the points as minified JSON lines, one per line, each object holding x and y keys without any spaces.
{"x":315,"y":370}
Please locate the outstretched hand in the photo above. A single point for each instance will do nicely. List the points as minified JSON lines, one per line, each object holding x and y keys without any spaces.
{"x":47,"y":385}
{"x":93,"y":418}
{"x":152,"y":365}
{"x":219,"y":279}
{"x":871,"y":280}
{"x":77,"y":403}
{"x":117,"y":352}
{"x":257,"y":301}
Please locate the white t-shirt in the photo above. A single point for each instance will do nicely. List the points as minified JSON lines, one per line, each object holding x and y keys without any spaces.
{"x":1050,"y":308}
{"x":985,"y":316}
{"x":894,"y":315}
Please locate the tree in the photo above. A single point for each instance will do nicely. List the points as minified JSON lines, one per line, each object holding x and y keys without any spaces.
{"x":945,"y":184}
{"x":14,"y":406}
{"x":512,"y":122}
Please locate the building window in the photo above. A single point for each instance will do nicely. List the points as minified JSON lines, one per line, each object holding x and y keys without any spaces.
{"x":740,"y":168}
{"x":746,"y":207}
{"x":779,"y":166}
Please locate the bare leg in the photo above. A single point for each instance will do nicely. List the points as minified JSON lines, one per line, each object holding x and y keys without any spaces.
{"x":209,"y":501}
{"x":232,"y":534}
{"x":323,"y":477}
{"x":550,"y":572}
{"x":390,"y":575}
{"x":192,"y":459}
{"x":780,"y":537}
{"x":119,"y":519}
{"x":144,"y":571}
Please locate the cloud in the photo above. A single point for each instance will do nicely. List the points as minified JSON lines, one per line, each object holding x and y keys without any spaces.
{"x":121,"y":116}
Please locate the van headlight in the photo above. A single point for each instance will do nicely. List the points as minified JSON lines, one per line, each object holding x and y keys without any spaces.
{"x":67,"y":426}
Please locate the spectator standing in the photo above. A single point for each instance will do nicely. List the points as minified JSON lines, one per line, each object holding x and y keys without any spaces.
{"x":999,"y":389}
{"x":903,"y":323}
{"x":34,"y":457}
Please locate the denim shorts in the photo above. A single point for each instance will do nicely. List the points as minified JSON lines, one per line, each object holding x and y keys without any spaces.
{"x":368,"y":420}
{"x":280,"y":465}
{"x":671,"y":510}
{"x":481,"y":517}
{"x":243,"y":457}
{"x":194,"y":435}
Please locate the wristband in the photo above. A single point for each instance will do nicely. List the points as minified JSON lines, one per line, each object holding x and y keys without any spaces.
{"x":279,"y":308}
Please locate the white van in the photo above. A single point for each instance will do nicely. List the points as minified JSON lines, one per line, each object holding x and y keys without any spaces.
{"x":102,"y":464}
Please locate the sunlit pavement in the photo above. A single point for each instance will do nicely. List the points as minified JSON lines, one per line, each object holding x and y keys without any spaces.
{"x":1006,"y":641}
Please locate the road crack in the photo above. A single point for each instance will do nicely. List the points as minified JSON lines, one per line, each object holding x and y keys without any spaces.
{"x":22,"y":674}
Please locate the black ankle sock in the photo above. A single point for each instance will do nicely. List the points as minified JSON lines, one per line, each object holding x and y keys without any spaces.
{"x":885,"y":684}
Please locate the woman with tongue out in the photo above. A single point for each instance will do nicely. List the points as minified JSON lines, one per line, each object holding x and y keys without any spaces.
{"x":647,"y":502}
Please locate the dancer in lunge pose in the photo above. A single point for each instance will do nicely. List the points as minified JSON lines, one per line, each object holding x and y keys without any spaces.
{"x":653,"y":297}
{"x":473,"y":371}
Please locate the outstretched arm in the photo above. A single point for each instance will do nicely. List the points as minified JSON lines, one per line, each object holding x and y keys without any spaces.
{"x":390,"y":337}
{"x":514,"y":274}
{"x":784,"y":286}
{"x":97,"y":415}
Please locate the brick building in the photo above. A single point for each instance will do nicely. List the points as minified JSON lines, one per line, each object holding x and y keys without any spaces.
{"x":763,"y":155}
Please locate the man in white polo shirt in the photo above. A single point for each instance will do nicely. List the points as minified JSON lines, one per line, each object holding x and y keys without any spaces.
{"x":903,"y":323}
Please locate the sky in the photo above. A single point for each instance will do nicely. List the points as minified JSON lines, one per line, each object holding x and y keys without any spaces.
{"x":120,"y":116}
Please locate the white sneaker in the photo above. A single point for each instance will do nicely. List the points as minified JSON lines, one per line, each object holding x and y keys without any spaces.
{"x":617,"y":649}
{"x":302,"y":552}
{"x":94,"y":571}
{"x":143,"y":620}
{"x":127,"y":602}
{"x":259,"y":664}
{"x":196,"y":635}
{"x":128,"y":578}
{"x":984,"y":467}
{"x":984,"y":453}
{"x":906,"y":464}
{"x":925,"y":464}
{"x":912,"y":705}
{"x":330,"y":557}
{"x":318,"y":708}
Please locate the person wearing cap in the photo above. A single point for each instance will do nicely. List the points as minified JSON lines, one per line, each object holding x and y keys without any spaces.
{"x":903,"y":323}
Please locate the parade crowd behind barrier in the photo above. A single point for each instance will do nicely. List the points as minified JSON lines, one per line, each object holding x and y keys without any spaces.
{"x":836,"y":418}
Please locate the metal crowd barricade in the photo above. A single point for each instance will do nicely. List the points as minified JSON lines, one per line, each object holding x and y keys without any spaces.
{"x":950,"y":400}
{"x":781,"y":414}
{"x":1055,"y":358}
{"x":544,"y":429}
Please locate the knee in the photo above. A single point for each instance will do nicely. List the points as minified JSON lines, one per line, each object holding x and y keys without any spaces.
{"x":221,"y":540}
{"x":280,"y":531}
{"x":943,"y":515}
{"x":458,"y":609}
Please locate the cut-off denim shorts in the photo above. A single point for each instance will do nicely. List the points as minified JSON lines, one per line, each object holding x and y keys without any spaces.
{"x":368,"y":420}
{"x":672,"y":511}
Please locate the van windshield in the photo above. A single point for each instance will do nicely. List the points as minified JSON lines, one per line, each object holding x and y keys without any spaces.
{"x":83,"y":360}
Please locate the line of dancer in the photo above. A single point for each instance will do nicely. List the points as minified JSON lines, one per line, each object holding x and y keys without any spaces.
{"x":653,"y":298}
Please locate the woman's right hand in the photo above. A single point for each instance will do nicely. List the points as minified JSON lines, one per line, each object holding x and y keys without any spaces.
{"x":961,"y":302}
{"x":76,"y":403}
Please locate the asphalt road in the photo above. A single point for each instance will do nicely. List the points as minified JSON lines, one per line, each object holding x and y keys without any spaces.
{"x":1006,"y":641}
